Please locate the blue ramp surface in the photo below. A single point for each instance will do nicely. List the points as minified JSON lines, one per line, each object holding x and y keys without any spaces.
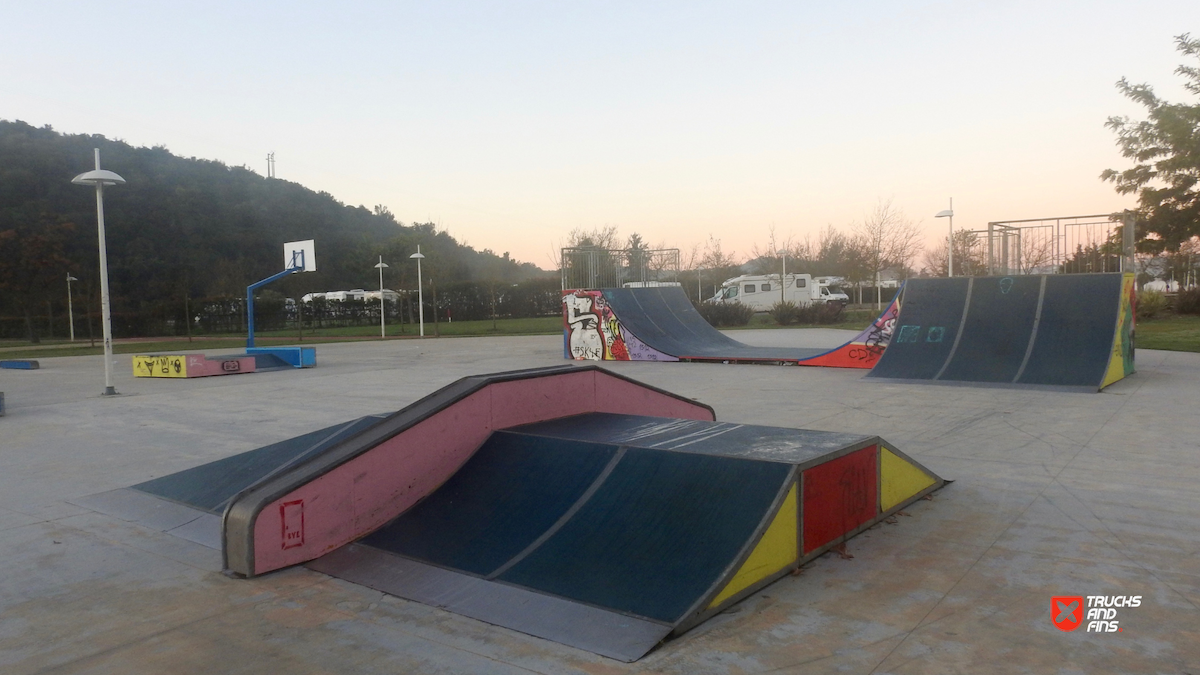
{"x":657,"y":536}
{"x":639,"y":531}
{"x":1075,"y":338}
{"x":511,"y":491}
{"x":664,"y":319}
{"x":996,"y":334}
{"x":1051,"y":331}
{"x":209,"y":487}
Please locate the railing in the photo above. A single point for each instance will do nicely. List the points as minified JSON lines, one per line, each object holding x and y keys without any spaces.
{"x":612,"y":268}
{"x":1062,"y":245}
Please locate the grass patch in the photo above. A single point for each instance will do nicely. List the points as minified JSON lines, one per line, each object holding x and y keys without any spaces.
{"x":542,"y":325}
{"x":851,"y":319}
{"x":13,"y":349}
{"x":1172,"y":333}
{"x":148,"y":346}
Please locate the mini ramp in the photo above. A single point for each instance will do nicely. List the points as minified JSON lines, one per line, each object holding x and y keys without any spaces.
{"x":661,"y":324}
{"x":258,"y":360}
{"x":1071,"y":332}
{"x":567,"y":503}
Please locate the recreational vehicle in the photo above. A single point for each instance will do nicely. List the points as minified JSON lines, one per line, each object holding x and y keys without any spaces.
{"x":762,"y":291}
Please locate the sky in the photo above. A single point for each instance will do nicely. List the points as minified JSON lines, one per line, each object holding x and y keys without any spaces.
{"x":511,"y":123}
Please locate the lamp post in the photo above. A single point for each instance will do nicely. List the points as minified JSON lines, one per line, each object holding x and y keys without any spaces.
{"x":699,"y":291}
{"x":99,"y":178}
{"x":783,"y":255}
{"x":380,"y":267}
{"x":420,"y":293}
{"x":949,"y":213}
{"x":70,"y":309}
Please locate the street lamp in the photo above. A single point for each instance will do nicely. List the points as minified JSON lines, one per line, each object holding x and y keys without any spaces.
{"x":782,"y":254}
{"x":99,"y":178}
{"x":699,"y":291}
{"x":70,"y":310}
{"x":420,"y":293}
{"x":380,"y":267}
{"x":949,"y":213}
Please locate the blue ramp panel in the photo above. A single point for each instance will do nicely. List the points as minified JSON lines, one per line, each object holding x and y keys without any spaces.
{"x":1052,"y":331}
{"x":931,"y":311}
{"x":1074,"y":340}
{"x":665,"y":319}
{"x":209,"y":487}
{"x":643,"y":532}
{"x":997,"y":331}
{"x":511,"y":491}
{"x":657,"y":535}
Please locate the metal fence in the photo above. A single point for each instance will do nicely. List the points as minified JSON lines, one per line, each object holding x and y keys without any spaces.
{"x":1063,"y":245}
{"x":604,"y":268}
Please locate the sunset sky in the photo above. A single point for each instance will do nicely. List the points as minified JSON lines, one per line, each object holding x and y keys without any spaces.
{"x":509,"y":124}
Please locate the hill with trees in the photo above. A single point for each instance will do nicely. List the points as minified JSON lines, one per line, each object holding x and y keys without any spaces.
{"x":183,"y":229}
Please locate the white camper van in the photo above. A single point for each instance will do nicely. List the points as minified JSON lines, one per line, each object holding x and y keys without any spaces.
{"x":761,"y":292}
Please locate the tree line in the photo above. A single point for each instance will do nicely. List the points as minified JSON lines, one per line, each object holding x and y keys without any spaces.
{"x":184,"y":230}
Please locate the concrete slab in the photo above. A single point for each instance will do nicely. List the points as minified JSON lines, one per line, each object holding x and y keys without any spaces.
{"x":1056,"y":494}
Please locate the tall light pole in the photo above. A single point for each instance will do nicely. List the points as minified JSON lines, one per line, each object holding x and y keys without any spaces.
{"x":949,"y":213}
{"x":380,"y":267}
{"x":783,"y":255}
{"x":420,"y":293}
{"x":70,"y":309}
{"x":699,"y":292}
{"x":99,"y":178}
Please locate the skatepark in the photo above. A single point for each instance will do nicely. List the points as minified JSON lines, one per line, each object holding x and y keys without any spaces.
{"x":1054,"y":494}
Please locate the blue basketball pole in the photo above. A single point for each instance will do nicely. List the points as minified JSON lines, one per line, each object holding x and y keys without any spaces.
{"x":250,"y":296}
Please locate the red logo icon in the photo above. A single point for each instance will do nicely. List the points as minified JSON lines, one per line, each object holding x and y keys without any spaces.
{"x":1066,"y":611}
{"x":292,"y":515}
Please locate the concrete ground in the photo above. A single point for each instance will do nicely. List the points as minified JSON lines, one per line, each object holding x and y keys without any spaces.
{"x":1055,"y":494}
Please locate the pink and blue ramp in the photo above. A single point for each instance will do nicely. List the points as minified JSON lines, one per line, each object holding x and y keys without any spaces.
{"x":568,"y":503}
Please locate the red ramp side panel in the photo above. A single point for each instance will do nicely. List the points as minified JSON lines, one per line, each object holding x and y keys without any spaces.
{"x":866,"y":347}
{"x":838,"y":497}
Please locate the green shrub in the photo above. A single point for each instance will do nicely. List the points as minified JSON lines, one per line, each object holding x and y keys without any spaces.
{"x":785,"y":313}
{"x":1187,"y":302}
{"x":725,"y":313}
{"x":822,"y":313}
{"x":1150,"y":304}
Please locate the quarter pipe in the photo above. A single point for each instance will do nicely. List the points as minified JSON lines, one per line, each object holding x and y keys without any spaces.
{"x":1070,"y":332}
{"x":660,"y":324}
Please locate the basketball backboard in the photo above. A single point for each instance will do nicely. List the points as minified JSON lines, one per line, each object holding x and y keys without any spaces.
{"x":302,"y":254}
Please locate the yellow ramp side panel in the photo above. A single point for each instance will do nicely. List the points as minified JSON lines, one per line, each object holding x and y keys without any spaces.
{"x":1120,"y":364}
{"x":776,"y":551}
{"x":899,"y":480}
